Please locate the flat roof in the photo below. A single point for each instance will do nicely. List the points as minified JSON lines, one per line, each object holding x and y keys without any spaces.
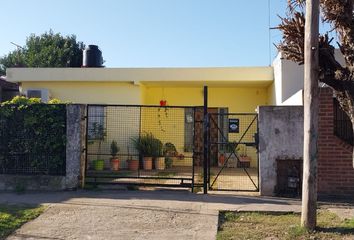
{"x":218,"y":76}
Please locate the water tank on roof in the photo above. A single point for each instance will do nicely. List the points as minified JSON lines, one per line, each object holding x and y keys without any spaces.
{"x":92,"y":57}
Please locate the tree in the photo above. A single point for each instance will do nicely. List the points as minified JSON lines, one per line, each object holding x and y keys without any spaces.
{"x":47,"y":50}
{"x":339,"y":15}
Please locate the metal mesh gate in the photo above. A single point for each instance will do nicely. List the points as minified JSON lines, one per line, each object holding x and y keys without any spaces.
{"x":163,"y":146}
{"x":140,"y":145}
{"x":233,"y":151}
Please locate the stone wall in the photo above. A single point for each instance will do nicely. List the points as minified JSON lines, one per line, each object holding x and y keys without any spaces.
{"x":280,"y":137}
{"x":75,"y":159}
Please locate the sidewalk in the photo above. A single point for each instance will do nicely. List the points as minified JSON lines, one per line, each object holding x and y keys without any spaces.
{"x":135,"y":214}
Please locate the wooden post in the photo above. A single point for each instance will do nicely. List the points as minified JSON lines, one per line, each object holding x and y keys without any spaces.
{"x":309,"y":189}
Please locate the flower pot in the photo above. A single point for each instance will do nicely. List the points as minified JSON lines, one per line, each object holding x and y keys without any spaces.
{"x":221,"y":160}
{"x":160,"y":163}
{"x":133,"y":164}
{"x":147,"y":163}
{"x":98,"y":165}
{"x":244,"y":162}
{"x":115,"y":164}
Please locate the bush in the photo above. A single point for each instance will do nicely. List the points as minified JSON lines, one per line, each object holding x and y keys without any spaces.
{"x":32,"y":137}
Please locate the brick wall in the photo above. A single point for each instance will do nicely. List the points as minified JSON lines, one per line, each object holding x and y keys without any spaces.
{"x":335,"y":167}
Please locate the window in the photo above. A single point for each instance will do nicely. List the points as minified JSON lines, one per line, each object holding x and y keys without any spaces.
{"x":96,"y":122}
{"x":188,"y":129}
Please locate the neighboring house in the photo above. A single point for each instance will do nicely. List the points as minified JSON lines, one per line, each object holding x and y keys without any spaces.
{"x":7,"y":89}
{"x":287,"y":88}
{"x":335,"y":140}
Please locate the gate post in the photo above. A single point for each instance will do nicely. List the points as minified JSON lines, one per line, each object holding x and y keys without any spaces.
{"x":205,"y":140}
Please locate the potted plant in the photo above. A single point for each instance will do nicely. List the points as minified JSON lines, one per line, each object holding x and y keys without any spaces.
{"x":144,"y":145}
{"x":244,"y":160}
{"x":114,"y":160}
{"x":229,"y":154}
{"x":133,"y":164}
{"x":158,"y":154}
{"x":170,"y":152}
{"x":98,"y":134}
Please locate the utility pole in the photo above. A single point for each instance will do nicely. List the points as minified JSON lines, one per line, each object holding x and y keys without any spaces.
{"x":309,"y":189}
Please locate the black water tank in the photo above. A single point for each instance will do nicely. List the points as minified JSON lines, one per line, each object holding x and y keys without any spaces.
{"x":92,"y":57}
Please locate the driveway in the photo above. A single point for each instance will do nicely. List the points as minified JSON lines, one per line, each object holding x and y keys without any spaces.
{"x":134,"y":214}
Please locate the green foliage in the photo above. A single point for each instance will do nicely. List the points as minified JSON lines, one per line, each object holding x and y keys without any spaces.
{"x":47,"y":50}
{"x":114,"y":148}
{"x":148,"y":145}
{"x":157,"y":148}
{"x":21,"y":100}
{"x":33,"y":135}
{"x":168,"y":162}
{"x":230,"y":147}
{"x":169,"y":149}
{"x":258,"y":225}
{"x":143,"y":144}
{"x":12,"y":217}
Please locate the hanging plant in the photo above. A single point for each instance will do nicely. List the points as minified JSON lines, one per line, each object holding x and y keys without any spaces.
{"x":163,"y":104}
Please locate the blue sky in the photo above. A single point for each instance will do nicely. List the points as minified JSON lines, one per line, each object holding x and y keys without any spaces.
{"x":153,"y":33}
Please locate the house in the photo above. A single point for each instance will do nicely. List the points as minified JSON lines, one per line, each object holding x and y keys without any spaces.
{"x":241,"y":89}
{"x":230,"y":90}
{"x":7,"y":89}
{"x":113,"y":93}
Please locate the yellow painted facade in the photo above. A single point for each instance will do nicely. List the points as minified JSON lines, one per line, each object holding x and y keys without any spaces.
{"x":237,"y":89}
{"x":90,"y":92}
{"x":237,"y":99}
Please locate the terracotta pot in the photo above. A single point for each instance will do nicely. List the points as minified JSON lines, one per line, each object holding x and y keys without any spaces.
{"x":133,"y":164}
{"x":160,"y":163}
{"x":244,"y":162}
{"x":115,"y":164}
{"x":221,"y":160}
{"x":147,"y":162}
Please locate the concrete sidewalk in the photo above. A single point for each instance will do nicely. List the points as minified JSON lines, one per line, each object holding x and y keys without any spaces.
{"x":134,"y":214}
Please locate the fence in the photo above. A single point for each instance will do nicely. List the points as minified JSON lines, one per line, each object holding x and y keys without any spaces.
{"x":342,"y":125}
{"x":233,"y":151}
{"x":145,"y":145}
{"x":33,"y":139}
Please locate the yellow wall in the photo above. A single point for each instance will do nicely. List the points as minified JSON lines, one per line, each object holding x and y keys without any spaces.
{"x":166,"y":126}
{"x":236,"y":99}
{"x":122,"y":123}
{"x":90,"y":92}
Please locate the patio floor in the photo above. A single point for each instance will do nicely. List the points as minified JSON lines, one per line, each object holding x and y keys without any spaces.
{"x":238,"y":179}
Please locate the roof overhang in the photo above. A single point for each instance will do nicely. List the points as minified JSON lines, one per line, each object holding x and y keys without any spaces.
{"x":219,"y":76}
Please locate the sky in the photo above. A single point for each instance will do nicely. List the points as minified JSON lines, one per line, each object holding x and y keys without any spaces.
{"x":154,"y":33}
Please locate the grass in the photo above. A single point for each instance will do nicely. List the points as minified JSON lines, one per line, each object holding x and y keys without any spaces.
{"x":13,"y":217}
{"x":253,"y":225}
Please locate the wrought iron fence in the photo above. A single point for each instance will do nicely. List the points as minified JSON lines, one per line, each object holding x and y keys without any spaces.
{"x":342,"y":125}
{"x":33,"y":139}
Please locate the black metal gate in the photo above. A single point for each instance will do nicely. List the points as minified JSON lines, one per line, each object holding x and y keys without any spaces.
{"x":233,"y":151}
{"x":141,"y":145}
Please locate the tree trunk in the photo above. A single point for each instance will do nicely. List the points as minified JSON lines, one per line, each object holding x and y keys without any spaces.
{"x":309,"y":190}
